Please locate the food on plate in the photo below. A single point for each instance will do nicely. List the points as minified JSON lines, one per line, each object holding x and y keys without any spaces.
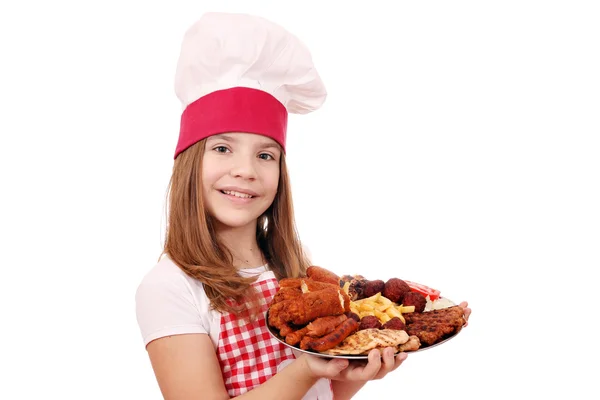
{"x":341,"y":332}
{"x":369,"y":322}
{"x":433,"y":326}
{"x":380,"y":307}
{"x":309,"y":306}
{"x":426,"y":291}
{"x":286,"y":293}
{"x":362,"y":342}
{"x":356,"y":286}
{"x":395,"y":289}
{"x":294,"y":337}
{"x":439,"y":303}
{"x":412,"y":344}
{"x":322,"y":275}
{"x":395,"y":324}
{"x":415,"y":299}
{"x":324,"y":325}
{"x":352,"y":315}
{"x":371,"y":288}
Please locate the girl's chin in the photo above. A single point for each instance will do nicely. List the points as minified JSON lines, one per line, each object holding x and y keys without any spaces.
{"x":228,"y":221}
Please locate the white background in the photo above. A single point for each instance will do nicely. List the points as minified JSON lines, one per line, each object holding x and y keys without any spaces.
{"x":458,"y":147}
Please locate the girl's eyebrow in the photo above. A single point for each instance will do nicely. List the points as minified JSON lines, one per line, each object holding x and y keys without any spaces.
{"x":269,"y":145}
{"x":222,"y":136}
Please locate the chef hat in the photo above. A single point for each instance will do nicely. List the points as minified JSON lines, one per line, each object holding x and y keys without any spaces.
{"x":242,"y":73}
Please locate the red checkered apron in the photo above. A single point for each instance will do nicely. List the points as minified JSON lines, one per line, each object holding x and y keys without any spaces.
{"x":249,"y":355}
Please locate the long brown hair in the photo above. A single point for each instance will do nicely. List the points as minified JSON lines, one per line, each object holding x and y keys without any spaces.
{"x":191,"y":241}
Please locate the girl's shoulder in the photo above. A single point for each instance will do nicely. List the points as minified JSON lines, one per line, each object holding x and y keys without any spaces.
{"x":166,"y":281}
{"x":164,"y":271}
{"x":170,"y":302}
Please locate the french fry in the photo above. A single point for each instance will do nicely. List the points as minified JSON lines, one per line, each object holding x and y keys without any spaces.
{"x":379,"y":314}
{"x":393,"y":312}
{"x":366,"y":307}
{"x":385,"y":300}
{"x":406,"y":309}
{"x":365,"y":313}
{"x":384,"y":318}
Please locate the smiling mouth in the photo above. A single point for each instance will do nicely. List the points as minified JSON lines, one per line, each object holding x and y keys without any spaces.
{"x":237,"y":194}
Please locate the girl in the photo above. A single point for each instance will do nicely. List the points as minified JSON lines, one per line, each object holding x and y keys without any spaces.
{"x":231,"y":233}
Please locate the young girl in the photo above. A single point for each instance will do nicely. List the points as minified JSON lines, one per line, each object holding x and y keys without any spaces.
{"x":231,"y":234}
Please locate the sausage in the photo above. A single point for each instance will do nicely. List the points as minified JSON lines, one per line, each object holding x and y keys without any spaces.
{"x":324,"y":325}
{"x":294,"y":338}
{"x":345,"y":329}
{"x":322,"y":275}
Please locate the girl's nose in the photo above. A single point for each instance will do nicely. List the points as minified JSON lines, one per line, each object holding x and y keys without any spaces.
{"x":243,"y":167}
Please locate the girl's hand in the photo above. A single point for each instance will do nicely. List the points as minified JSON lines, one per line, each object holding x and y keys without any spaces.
{"x":465,"y":306}
{"x":378,"y":366}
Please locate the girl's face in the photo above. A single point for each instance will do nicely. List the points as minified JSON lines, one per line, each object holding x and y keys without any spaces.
{"x":240,"y":174}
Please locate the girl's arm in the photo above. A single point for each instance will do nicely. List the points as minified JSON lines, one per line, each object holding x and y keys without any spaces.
{"x":346,"y":390}
{"x":187,"y":368}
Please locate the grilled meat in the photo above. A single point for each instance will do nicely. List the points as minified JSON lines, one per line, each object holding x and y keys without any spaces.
{"x":434,"y":326}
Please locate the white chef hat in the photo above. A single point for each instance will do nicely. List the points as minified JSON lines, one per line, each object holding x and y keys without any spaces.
{"x":242,"y":73}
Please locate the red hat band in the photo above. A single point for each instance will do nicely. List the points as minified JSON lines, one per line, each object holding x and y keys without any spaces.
{"x":238,"y":109}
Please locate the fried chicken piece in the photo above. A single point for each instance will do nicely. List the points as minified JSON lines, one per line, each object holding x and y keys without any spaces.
{"x":275,"y":318}
{"x":433,"y":326}
{"x":286,"y":293}
{"x":304,"y":284}
{"x":286,"y":329}
{"x":290,"y":282}
{"x":324,"y":325}
{"x":322,"y":275}
{"x":310,"y":306}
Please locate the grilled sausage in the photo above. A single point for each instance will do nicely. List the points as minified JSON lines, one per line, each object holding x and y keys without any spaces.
{"x":295,"y":337}
{"x":345,"y":329}
{"x":322,"y":326}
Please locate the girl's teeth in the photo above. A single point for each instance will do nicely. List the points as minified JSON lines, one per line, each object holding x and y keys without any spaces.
{"x":237,"y":194}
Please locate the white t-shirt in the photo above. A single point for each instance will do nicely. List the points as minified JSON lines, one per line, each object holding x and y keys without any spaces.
{"x":170,"y":302}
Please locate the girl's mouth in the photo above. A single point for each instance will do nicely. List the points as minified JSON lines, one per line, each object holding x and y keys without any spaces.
{"x":237,"y":194}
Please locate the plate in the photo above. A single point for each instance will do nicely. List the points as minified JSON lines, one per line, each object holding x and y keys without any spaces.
{"x":275,"y":335}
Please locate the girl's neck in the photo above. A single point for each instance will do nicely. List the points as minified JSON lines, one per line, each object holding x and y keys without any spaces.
{"x":243,"y":245}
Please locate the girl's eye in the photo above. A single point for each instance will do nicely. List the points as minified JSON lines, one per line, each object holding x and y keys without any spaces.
{"x":221,"y":149}
{"x":265,"y":156}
